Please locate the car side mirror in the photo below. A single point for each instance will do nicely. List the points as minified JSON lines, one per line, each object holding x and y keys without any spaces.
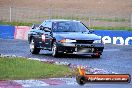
{"x":33,"y":26}
{"x":41,"y":28}
{"x":47,"y":29}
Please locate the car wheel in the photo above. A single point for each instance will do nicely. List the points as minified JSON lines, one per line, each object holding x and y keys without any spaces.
{"x":33,"y":48}
{"x":54,"y":50}
{"x":81,"y":80}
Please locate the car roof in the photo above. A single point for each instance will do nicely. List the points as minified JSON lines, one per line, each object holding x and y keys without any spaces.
{"x":55,"y":20}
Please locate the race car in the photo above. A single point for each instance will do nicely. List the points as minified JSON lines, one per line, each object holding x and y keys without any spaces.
{"x":64,"y":37}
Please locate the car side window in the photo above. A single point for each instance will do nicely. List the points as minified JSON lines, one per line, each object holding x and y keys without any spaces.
{"x":48,"y":24}
{"x":44,"y":23}
{"x":41,"y":27}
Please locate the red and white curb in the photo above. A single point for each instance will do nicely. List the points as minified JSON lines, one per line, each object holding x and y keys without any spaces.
{"x":31,"y":83}
{"x":37,"y":83}
{"x":9,"y":84}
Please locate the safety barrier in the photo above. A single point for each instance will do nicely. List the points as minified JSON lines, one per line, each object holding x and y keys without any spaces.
{"x":108,"y":36}
{"x":21,"y":32}
{"x":120,"y":37}
{"x":7,"y":32}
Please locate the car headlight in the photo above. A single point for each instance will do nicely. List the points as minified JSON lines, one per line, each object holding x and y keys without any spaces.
{"x":67,"y":40}
{"x":97,"y":41}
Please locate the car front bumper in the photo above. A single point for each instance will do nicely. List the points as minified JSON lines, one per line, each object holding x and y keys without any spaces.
{"x":83,"y":49}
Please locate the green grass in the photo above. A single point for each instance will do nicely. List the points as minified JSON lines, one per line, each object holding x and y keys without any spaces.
{"x":21,"y":68}
{"x":111,"y":28}
{"x":85,"y":18}
{"x":115,"y":19}
{"x":15,"y":23}
{"x":95,"y":27}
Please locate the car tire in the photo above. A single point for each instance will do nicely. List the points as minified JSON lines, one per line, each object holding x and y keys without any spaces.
{"x":54,"y":50}
{"x":33,"y":48}
{"x":81,"y":80}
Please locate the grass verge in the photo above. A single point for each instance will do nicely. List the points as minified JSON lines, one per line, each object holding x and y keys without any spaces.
{"x":85,"y":18}
{"x":15,"y":23}
{"x":21,"y":68}
{"x":95,"y":27}
{"x":111,"y":28}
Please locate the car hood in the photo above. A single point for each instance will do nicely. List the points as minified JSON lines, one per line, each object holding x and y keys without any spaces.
{"x":76,"y":36}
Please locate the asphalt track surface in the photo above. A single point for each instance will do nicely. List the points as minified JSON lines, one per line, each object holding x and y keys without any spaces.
{"x":115,"y":58}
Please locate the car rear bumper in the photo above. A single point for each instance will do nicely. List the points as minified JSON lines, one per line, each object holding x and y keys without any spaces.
{"x":83,"y":49}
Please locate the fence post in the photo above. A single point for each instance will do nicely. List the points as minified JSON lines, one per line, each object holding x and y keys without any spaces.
{"x":131,"y":21}
{"x":10,"y":8}
{"x":50,"y":9}
{"x":89,"y":21}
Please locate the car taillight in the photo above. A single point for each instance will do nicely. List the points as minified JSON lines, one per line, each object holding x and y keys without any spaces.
{"x":43,"y":37}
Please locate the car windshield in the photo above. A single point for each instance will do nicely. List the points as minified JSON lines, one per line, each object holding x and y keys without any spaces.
{"x":68,"y":26}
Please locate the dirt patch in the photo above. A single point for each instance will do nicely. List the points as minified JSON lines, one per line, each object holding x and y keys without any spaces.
{"x":94,"y":7}
{"x":39,"y":10}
